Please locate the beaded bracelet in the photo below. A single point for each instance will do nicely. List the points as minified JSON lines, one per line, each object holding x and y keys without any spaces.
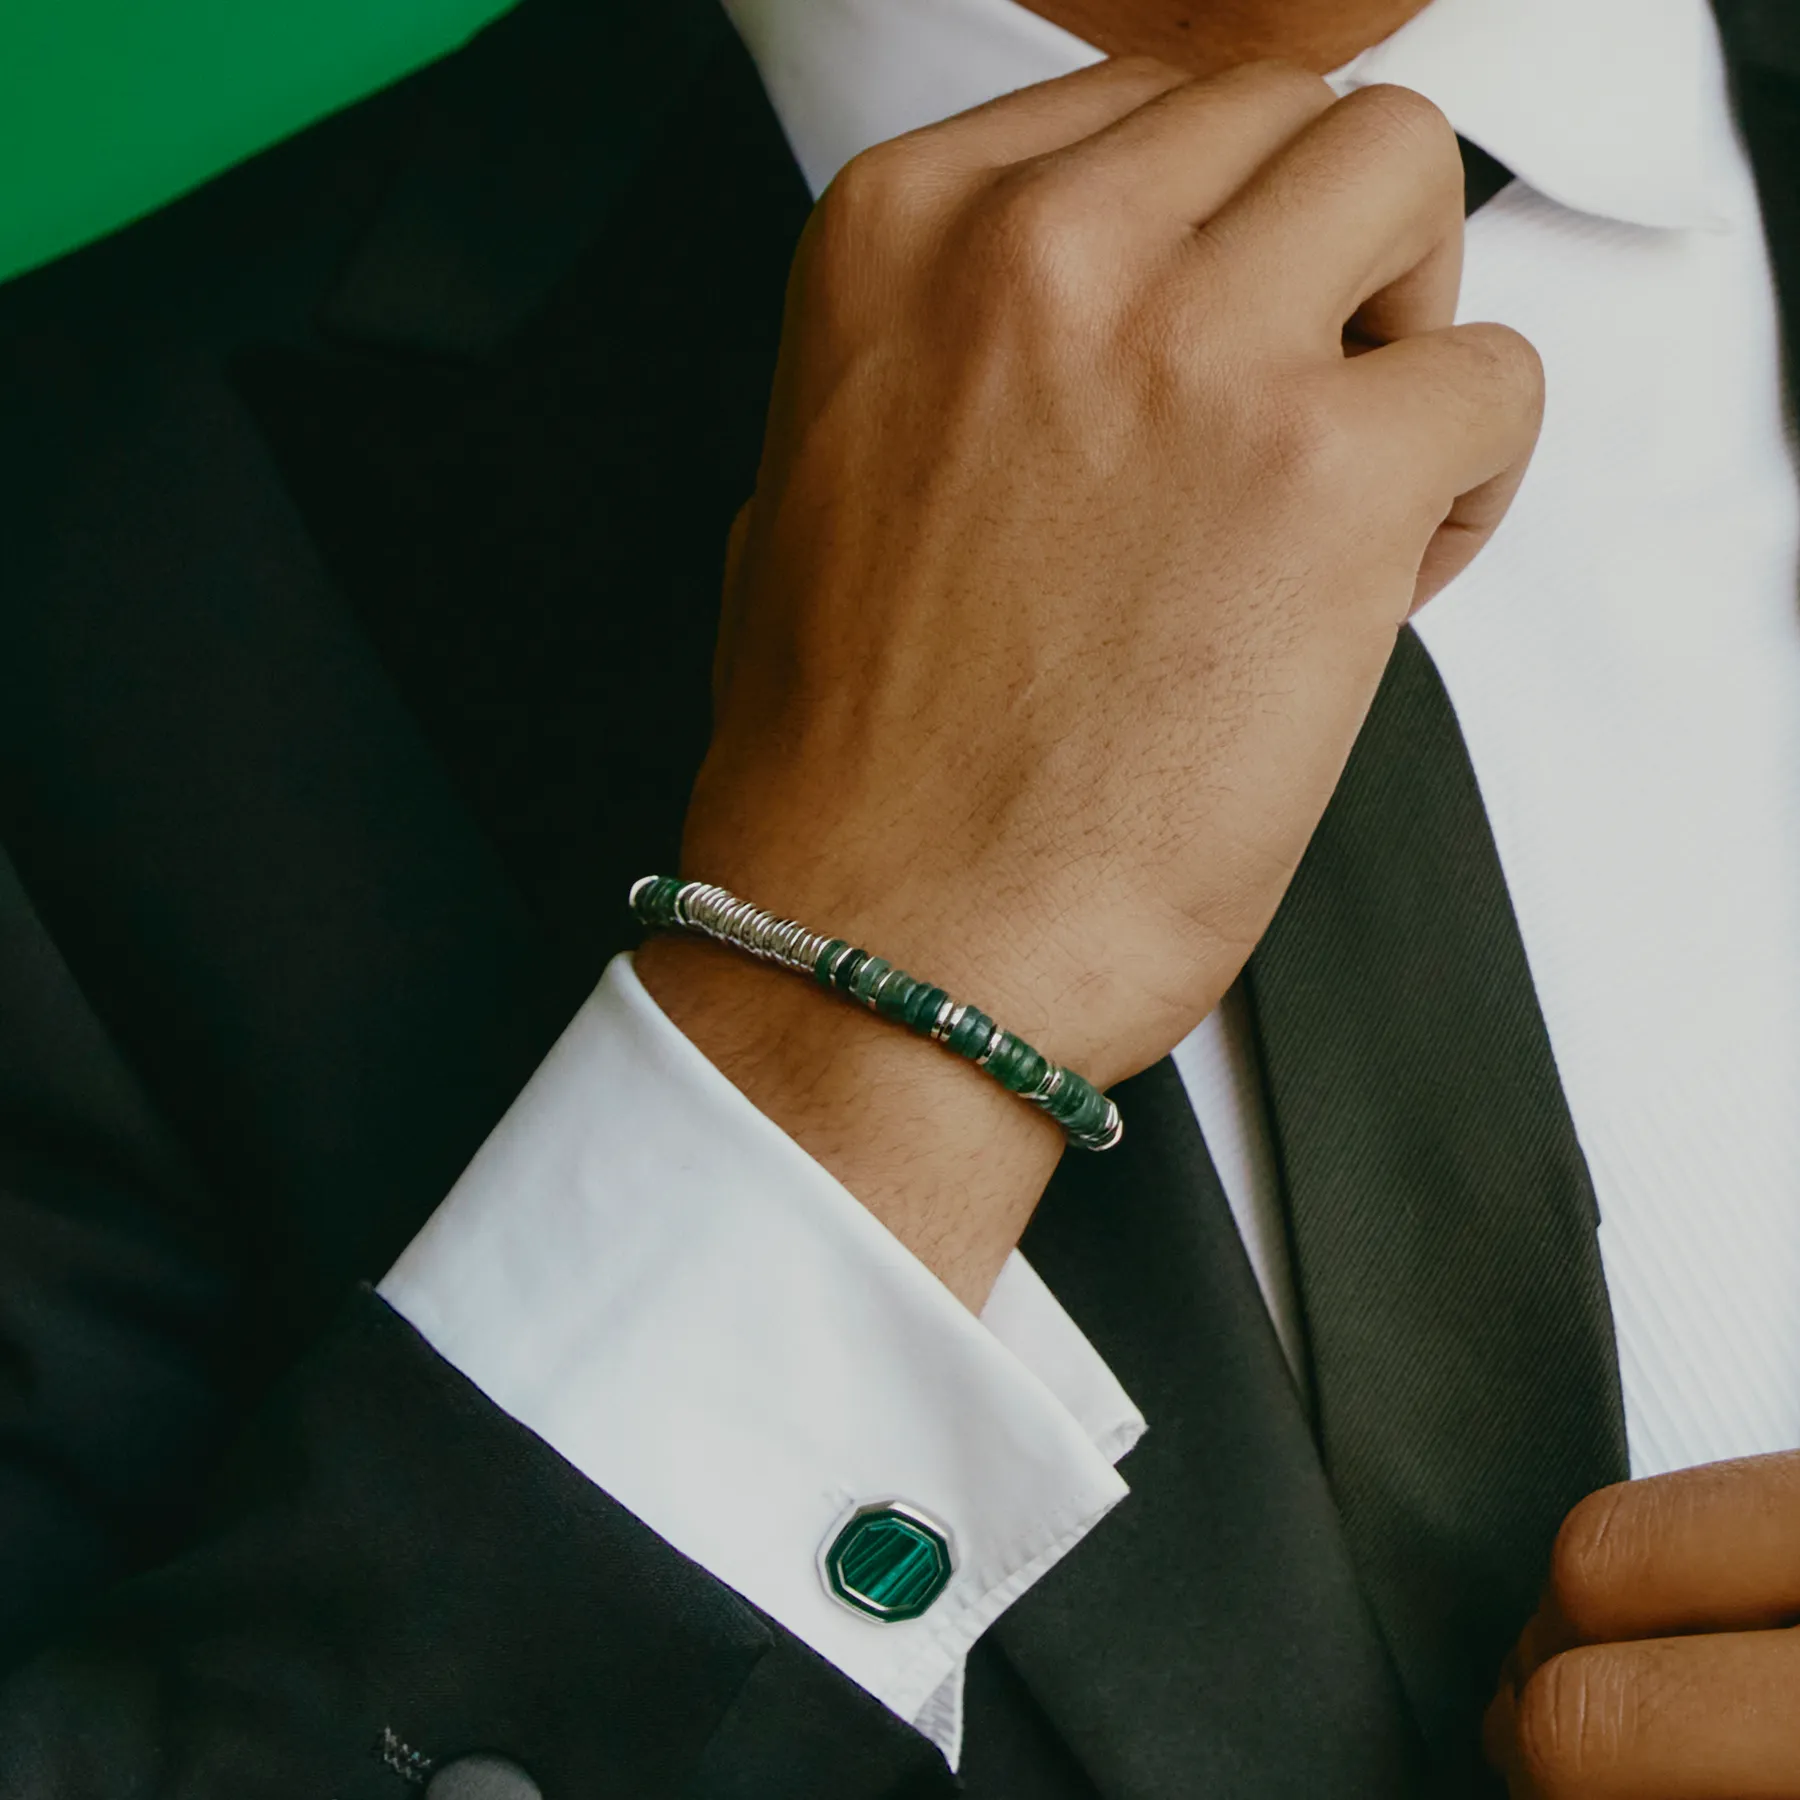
{"x":1090,"y":1120}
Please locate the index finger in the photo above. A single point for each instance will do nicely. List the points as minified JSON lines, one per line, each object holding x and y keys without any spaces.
{"x":1042,"y":118}
{"x":1360,"y":216}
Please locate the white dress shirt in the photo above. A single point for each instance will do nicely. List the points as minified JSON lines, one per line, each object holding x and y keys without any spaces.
{"x":646,"y":1272}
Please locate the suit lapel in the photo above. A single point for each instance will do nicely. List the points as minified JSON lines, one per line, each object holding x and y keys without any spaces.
{"x":520,"y":469}
{"x":531,"y":138}
{"x":469,"y":447}
{"x":1209,"y":1637}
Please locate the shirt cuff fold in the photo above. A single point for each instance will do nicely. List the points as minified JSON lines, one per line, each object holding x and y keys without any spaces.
{"x":649,"y":1274}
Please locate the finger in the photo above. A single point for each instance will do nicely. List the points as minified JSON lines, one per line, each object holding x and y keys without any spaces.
{"x":1038,"y":120}
{"x":1181,"y":155}
{"x":1710,"y":1549}
{"x":1472,"y":519}
{"x":1357,"y":223}
{"x":1695,"y":1718}
{"x":1465,"y":403}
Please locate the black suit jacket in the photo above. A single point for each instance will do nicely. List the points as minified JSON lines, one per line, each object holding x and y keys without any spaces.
{"x":360,"y":519}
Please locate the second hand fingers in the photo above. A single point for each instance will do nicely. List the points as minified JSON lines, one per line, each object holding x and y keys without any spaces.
{"x":1693,"y":1718}
{"x":1715,"y":1548}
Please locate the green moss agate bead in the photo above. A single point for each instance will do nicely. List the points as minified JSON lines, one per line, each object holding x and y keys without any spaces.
{"x":970,"y":1035}
{"x":1016,"y":1066}
{"x":923,"y":1008}
{"x":868,"y":973}
{"x":1109,"y":1129}
{"x":1085,"y":1114}
{"x":654,"y":900}
{"x":1080,"y":1109}
{"x":895,"y":998}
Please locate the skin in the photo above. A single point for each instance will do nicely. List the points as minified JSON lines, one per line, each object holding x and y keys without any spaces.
{"x":1125,"y":692}
{"x":1210,"y":36}
{"x":1066,"y":388}
{"x":1664,"y":1663}
{"x":1118,"y":428}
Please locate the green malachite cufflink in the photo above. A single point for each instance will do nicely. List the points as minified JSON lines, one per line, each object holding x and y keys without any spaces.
{"x":889,"y":1561}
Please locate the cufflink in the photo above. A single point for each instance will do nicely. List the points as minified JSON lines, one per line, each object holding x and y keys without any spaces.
{"x":888,"y":1561}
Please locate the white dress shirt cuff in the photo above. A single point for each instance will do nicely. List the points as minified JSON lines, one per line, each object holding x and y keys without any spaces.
{"x":649,"y":1274}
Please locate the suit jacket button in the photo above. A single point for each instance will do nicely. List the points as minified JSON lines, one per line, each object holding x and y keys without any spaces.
{"x":481,"y":1778}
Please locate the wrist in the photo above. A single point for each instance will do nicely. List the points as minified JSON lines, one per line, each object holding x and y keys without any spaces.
{"x":943,"y":1156}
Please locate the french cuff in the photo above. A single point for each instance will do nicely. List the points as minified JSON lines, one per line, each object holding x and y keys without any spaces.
{"x":648,"y":1273}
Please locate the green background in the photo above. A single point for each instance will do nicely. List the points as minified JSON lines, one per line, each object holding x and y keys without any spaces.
{"x":110,"y":107}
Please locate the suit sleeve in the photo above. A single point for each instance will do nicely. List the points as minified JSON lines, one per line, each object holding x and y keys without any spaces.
{"x":116,"y":1304}
{"x":397,"y":1576}
{"x":394,"y":1576}
{"x":652,"y":1276}
{"x":390,"y":1574}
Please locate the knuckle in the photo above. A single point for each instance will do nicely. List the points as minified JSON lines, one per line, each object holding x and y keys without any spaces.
{"x":1492,"y":374}
{"x":1507,"y":367}
{"x":1511,"y":355}
{"x":1030,"y":207}
{"x":1573,"y":1720}
{"x":881,"y":189}
{"x":879,"y":210}
{"x":1406,"y":112}
{"x":1413,"y":125}
{"x":1030,"y":236}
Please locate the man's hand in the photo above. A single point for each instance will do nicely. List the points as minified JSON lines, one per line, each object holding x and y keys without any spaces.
{"x":1119,"y":426}
{"x":1664,"y":1663}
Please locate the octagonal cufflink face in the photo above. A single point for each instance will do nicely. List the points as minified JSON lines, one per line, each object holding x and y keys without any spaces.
{"x":888,"y":1561}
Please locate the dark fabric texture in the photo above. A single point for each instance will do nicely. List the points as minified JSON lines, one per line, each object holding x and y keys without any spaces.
{"x":1483,"y":175}
{"x":116,"y":1312}
{"x":392,"y":1554}
{"x":1762,"y":45}
{"x":1210,"y":1636}
{"x":360,"y":525}
{"x":359,"y":578}
{"x":532,"y":538}
{"x":1440,"y":1214}
{"x":1439,"y":1208}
